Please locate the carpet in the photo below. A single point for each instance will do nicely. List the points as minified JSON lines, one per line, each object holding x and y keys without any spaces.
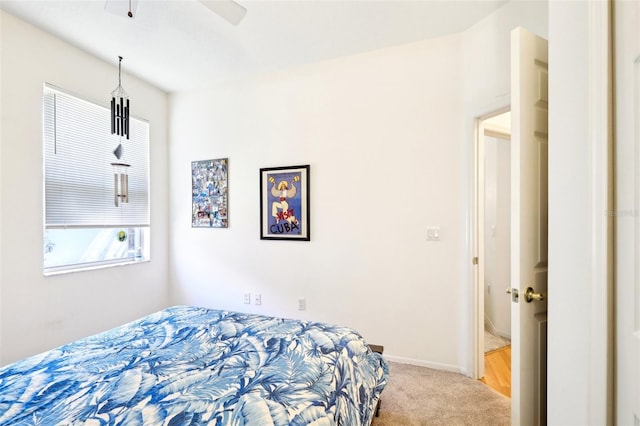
{"x":423,"y":396}
{"x":493,"y":342}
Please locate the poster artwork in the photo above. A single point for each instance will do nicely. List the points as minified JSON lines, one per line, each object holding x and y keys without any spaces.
{"x":285,"y":203}
{"x":209,"y":187}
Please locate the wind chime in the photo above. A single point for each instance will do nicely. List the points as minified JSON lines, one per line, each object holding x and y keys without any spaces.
{"x":120,"y":178}
{"x":120,"y":126}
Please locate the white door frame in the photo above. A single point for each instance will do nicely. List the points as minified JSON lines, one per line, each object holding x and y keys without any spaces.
{"x":601,"y":188}
{"x":627,"y":223}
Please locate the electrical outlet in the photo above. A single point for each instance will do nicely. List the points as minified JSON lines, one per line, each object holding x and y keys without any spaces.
{"x":257,"y":299}
{"x":247,"y":298}
{"x":302,"y":304}
{"x":433,"y":233}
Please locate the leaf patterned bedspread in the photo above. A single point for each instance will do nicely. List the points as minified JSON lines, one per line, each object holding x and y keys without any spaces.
{"x":187,"y":365}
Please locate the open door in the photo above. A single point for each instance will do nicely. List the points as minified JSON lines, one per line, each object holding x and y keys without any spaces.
{"x":529,"y":224}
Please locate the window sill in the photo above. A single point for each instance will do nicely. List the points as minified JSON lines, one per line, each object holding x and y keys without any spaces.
{"x":63,"y":270}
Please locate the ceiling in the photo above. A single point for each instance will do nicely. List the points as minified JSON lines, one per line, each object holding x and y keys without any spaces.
{"x":181,"y":45}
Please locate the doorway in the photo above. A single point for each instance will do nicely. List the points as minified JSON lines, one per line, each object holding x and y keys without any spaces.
{"x":493,"y":195}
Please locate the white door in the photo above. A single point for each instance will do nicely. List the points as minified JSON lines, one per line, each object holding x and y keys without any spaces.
{"x":627,"y":129}
{"x":529,"y":153}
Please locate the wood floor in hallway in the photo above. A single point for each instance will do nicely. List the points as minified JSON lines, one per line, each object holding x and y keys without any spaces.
{"x":497,"y":370}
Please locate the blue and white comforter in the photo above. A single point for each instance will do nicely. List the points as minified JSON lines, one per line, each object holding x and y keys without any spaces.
{"x":197,"y":366}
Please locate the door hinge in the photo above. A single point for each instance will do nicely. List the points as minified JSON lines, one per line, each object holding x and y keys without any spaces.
{"x":475,"y":260}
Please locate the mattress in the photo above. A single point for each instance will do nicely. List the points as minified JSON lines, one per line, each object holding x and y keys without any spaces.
{"x":189,"y":365}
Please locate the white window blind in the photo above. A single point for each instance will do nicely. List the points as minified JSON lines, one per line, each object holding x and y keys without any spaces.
{"x":79,"y":183}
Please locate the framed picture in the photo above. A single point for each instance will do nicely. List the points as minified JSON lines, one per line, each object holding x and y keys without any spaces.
{"x":284,"y":203}
{"x":209,"y":189}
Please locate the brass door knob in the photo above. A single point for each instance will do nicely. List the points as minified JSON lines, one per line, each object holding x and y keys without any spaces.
{"x":530,"y":295}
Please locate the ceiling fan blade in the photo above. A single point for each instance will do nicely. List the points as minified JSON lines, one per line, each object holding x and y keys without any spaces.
{"x":227,"y":9}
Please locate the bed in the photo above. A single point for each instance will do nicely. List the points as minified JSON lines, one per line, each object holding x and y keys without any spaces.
{"x":189,"y":365}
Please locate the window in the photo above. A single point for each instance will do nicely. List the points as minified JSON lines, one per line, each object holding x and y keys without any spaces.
{"x":83,"y":228}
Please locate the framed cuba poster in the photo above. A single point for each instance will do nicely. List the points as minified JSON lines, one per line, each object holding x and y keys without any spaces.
{"x":284,"y":203}
{"x":209,"y":200}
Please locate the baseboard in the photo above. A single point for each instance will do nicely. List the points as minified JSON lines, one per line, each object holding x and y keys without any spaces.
{"x":488,"y":325}
{"x":428,"y":364}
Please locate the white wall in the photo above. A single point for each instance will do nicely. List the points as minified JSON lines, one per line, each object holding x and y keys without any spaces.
{"x":497,"y":304}
{"x":389,"y":138}
{"x":37,"y":312}
{"x":579,"y":338}
{"x":377,"y":131}
{"x":569,"y":98}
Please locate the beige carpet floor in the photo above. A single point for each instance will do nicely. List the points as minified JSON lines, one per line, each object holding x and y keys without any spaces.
{"x":493,"y":342}
{"x":423,"y":396}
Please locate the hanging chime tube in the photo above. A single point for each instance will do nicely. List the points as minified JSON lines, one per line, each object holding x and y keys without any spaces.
{"x":113,"y":115}
{"x":126,"y":119}
{"x":115,"y":189}
{"x":120,"y":183}
{"x":124,"y":187}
